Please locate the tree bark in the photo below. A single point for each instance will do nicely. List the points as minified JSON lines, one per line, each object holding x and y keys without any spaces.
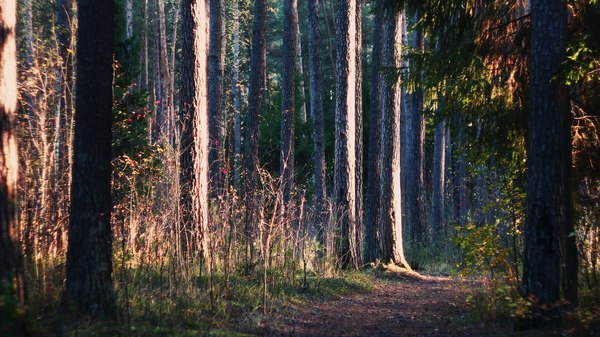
{"x":237,"y":99}
{"x":392,"y":249}
{"x":316,"y":112}
{"x":88,"y":286}
{"x":10,"y":272}
{"x":439,"y":179}
{"x":216,"y":103}
{"x":360,"y":226}
{"x":288,"y":92}
{"x":258,"y":63}
{"x":550,"y":265}
{"x":345,"y":134}
{"x":372,"y":249}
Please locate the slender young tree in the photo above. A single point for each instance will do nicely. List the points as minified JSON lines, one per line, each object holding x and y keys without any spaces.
{"x":344,"y":195}
{"x":316,"y":112}
{"x":288,"y":102}
{"x":88,"y":286}
{"x":258,"y":64}
{"x":374,"y":154}
{"x":216,"y":103}
{"x":392,"y":249}
{"x":10,"y":273}
{"x":550,"y":265}
{"x":439,"y":179}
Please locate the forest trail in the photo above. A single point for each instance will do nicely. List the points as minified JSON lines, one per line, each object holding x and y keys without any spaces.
{"x":425,"y":306}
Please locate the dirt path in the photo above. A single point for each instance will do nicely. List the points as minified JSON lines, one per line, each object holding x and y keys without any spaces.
{"x":428,"y":306}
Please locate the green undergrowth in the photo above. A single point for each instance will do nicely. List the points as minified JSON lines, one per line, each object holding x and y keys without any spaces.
{"x":152,"y":303}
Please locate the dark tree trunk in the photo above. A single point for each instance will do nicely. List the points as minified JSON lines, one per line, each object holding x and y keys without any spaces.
{"x":288,"y":92}
{"x":10,"y":271}
{"x":88,"y":286}
{"x":316,"y":111}
{"x":344,"y":195}
{"x":415,"y":146}
{"x":186,"y":121}
{"x":550,"y":266}
{"x":258,"y":63}
{"x":392,"y":249}
{"x":237,"y":98}
{"x":372,"y":250}
{"x":216,"y":103}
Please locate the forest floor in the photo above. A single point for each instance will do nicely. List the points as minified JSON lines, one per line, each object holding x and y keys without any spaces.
{"x":408,"y":306}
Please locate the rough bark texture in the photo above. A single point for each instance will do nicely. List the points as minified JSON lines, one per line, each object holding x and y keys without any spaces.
{"x":344,"y":195}
{"x":88,"y":286}
{"x":392,"y":249}
{"x":360,"y":227}
{"x":288,"y":92}
{"x":187,"y":110}
{"x":439,"y":179}
{"x":216,"y":103}
{"x":258,"y":63}
{"x":316,"y":112}
{"x":10,"y":274}
{"x":237,"y":99}
{"x":413,"y":170}
{"x":372,"y":250}
{"x":550,"y":266}
{"x":201,"y":132}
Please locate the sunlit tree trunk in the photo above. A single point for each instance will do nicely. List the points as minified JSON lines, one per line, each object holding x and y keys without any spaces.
{"x":373,"y":204}
{"x":392,"y":249}
{"x":143,"y":80}
{"x":288,"y":84}
{"x":300,"y":68}
{"x":316,"y":112}
{"x":216,"y":103}
{"x":344,"y":195}
{"x":439,"y":179}
{"x":360,"y":230}
{"x":10,"y":271}
{"x":550,"y":265}
{"x":88,"y":286}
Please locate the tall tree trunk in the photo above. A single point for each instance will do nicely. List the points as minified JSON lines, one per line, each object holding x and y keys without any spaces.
{"x":372,"y":249}
{"x":345,"y":134}
{"x":200,"y":12}
{"x":187,"y":110}
{"x":10,"y":271}
{"x":550,"y":266}
{"x":128,"y":19}
{"x":88,"y":285}
{"x":300,"y":67}
{"x":288,"y":84}
{"x":392,"y":249}
{"x":439,"y":179}
{"x":258,"y":63}
{"x":143,"y":80}
{"x":414,"y":154}
{"x":237,"y":99}
{"x":360,"y":226}
{"x":165,"y":74}
{"x":316,"y":112}
{"x":216,"y":103}
{"x":158,"y":120}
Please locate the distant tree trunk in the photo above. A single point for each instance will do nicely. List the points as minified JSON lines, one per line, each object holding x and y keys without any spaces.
{"x":258,"y":63}
{"x":237,"y":99}
{"x":300,"y":67}
{"x":166,"y":102}
{"x":372,"y":250}
{"x":413,"y":170}
{"x":158,"y":120}
{"x":10,"y":272}
{"x":288,"y":84}
{"x":392,"y":248}
{"x":550,"y":266}
{"x":345,"y":134}
{"x":439,"y":179}
{"x":200,"y":12}
{"x":29,"y":55}
{"x":88,"y":286}
{"x":316,"y":112}
{"x":187,"y":110}
{"x":216,"y":103}
{"x":143,"y":80}
{"x":461,"y":198}
{"x":360,"y":230}
{"x":128,"y":19}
